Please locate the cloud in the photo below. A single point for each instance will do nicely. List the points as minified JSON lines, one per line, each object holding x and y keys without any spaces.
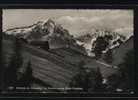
{"x":79,"y":19}
{"x":111,"y":21}
{"x":76,"y":21}
{"x":128,"y":31}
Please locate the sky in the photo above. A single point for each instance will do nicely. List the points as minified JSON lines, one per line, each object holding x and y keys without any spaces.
{"x":77,"y":21}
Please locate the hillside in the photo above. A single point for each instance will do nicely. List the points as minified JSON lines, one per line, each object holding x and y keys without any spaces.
{"x":120,"y":51}
{"x":49,"y":31}
{"x":54,"y":72}
{"x":55,"y":67}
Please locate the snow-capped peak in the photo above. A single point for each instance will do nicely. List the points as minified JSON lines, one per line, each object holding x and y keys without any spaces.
{"x":38,"y":28}
{"x":87,"y":41}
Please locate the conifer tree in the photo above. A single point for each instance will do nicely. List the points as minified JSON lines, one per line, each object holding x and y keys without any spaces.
{"x":90,"y":80}
{"x":99,"y":87}
{"x":14,"y":65}
{"x":27,"y":77}
{"x":127,"y":68}
{"x":100,"y":45}
{"x":108,"y":56}
{"x":2,"y":65}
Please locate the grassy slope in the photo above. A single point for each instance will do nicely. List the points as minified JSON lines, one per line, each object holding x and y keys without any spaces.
{"x":47,"y":67}
{"x":55,"y":67}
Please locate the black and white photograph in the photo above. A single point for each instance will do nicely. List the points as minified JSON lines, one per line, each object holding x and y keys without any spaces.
{"x":68,"y":51}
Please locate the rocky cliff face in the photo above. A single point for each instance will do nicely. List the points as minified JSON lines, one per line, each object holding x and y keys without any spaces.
{"x":49,"y":31}
{"x":87,"y":41}
{"x":120,"y":51}
{"x":58,"y":37}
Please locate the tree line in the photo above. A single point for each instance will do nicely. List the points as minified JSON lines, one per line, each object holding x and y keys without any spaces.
{"x":90,"y":80}
{"x":11,"y":76}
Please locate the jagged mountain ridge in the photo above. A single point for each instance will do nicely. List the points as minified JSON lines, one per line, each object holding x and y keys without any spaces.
{"x":88,"y":39}
{"x":41,"y":27}
{"x":42,"y":30}
{"x":46,"y":31}
{"x":50,"y":31}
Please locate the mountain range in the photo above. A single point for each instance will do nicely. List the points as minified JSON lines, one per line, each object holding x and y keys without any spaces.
{"x":57,"y":66}
{"x":58,"y":36}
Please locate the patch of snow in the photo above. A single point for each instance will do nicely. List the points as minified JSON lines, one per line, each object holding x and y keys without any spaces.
{"x":132,"y":92}
{"x":115,"y":67}
{"x":89,"y":53}
{"x":104,"y":51}
{"x":104,"y":81}
{"x":87,"y":46}
{"x":113,"y":46}
{"x":79,"y":42}
{"x":119,"y":90}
